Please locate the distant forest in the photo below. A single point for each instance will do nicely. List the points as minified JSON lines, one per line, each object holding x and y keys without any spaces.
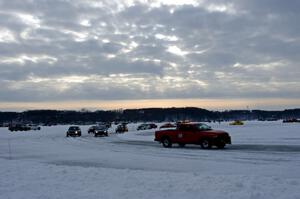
{"x":142,"y":115}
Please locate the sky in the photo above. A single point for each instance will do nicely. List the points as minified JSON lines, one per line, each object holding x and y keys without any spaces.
{"x":216,"y":54}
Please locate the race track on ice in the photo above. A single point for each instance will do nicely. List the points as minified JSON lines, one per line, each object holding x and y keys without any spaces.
{"x":262,"y":162}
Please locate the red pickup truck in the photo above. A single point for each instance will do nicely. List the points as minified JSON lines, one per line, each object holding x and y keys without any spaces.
{"x":193,"y":133}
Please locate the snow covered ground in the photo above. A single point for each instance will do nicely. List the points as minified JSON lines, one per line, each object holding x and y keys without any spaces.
{"x":263,"y":162}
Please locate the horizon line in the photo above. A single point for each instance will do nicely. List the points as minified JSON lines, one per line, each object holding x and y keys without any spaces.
{"x":209,"y":104}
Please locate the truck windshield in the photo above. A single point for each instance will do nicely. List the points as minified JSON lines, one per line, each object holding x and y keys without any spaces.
{"x":203,"y":127}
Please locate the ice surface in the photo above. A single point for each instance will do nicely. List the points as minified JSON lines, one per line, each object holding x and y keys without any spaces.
{"x":263,"y":162}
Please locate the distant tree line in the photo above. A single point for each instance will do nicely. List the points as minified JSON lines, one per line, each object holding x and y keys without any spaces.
{"x":143,"y":115}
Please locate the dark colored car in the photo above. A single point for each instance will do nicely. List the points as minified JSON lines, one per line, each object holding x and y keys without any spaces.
{"x":292,"y":120}
{"x":92,"y":129}
{"x":193,"y":133}
{"x":167,"y":125}
{"x":121,"y":128}
{"x":74,"y":131}
{"x":100,"y":131}
{"x":146,"y":126}
{"x":153,"y":126}
{"x":143,"y":127}
{"x":18,"y":127}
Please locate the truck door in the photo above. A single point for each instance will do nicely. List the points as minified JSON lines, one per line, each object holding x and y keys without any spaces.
{"x":185,"y":134}
{"x":191,"y":136}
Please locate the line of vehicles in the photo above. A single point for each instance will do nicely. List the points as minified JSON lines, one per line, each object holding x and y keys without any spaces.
{"x":102,"y":129}
{"x":181,"y":133}
{"x":169,"y":134}
{"x":97,"y":130}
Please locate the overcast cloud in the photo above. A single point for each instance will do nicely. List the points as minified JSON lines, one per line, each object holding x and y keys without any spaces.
{"x":110,"y":50}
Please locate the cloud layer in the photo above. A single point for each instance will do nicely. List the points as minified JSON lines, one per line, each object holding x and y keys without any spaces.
{"x":59,"y":50}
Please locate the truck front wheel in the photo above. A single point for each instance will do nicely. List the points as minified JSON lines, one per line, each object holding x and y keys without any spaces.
{"x":205,"y":144}
{"x":166,"y":142}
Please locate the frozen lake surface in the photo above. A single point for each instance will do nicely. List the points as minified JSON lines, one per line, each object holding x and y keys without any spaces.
{"x":262,"y":162}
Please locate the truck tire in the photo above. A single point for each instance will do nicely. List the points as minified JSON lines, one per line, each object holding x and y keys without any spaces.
{"x":166,"y":142}
{"x":205,"y":143}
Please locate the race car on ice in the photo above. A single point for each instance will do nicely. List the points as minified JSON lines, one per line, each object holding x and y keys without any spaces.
{"x":101,"y":130}
{"x":193,"y":133}
{"x":122,"y":128}
{"x":74,"y":131}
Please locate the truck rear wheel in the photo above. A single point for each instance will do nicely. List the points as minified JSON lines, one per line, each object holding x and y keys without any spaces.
{"x":205,"y":144}
{"x":166,"y":142}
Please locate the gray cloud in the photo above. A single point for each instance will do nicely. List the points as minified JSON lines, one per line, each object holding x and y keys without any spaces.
{"x":64,"y":50}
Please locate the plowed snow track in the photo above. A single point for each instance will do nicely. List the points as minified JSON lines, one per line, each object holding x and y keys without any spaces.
{"x":137,"y":150}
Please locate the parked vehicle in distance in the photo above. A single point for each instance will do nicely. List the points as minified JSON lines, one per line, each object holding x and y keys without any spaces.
{"x":74,"y":131}
{"x":100,"y":131}
{"x":121,"y":128}
{"x":153,"y":126}
{"x":142,"y":127}
{"x":167,"y":125}
{"x":146,"y":126}
{"x":236,"y":122}
{"x":193,"y":133}
{"x":18,"y":127}
{"x":34,"y":127}
{"x":292,"y":120}
{"x":92,"y":129}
